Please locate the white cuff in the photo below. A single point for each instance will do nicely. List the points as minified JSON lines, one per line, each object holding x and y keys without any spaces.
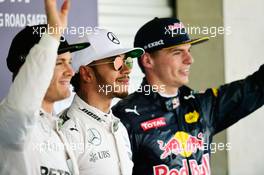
{"x":49,"y":42}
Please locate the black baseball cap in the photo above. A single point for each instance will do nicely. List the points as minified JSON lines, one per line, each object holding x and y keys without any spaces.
{"x":162,"y":33}
{"x":26,"y":39}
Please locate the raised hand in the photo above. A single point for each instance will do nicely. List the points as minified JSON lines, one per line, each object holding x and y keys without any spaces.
{"x":57,"y":19}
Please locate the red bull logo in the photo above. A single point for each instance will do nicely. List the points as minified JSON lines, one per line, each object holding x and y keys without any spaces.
{"x":194,"y":168}
{"x":181,"y":143}
{"x":176,"y":26}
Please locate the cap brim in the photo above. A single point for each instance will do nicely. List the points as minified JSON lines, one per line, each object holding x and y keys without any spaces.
{"x":192,"y":42}
{"x":84,"y":57}
{"x":135,"y":53}
{"x":73,"y":47}
{"x":198,"y":40}
{"x":131,"y":52}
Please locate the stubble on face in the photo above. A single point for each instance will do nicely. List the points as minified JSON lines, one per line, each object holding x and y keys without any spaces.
{"x":113,"y":89}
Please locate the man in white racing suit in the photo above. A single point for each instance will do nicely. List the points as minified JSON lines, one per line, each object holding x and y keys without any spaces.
{"x":99,"y":139}
{"x":30,"y":142}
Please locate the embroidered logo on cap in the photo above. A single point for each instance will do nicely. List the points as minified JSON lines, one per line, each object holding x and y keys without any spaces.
{"x":154,"y":44}
{"x":176,"y":26}
{"x":113,"y":38}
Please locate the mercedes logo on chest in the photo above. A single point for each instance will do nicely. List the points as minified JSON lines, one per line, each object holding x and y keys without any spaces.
{"x":113,"y":38}
{"x":93,"y":137}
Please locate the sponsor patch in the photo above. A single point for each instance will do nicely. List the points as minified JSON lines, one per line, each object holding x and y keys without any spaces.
{"x":127,"y":110}
{"x":47,"y":171}
{"x":155,"y":123}
{"x":194,"y":168}
{"x":191,"y":117}
{"x":95,"y":156}
{"x":91,"y":114}
{"x":175,"y":103}
{"x":154,"y":44}
{"x":176,"y":26}
{"x":94,"y":137}
{"x":182,"y":144}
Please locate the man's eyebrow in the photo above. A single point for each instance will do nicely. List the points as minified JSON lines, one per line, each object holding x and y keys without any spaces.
{"x":179,"y":49}
{"x":176,"y":49}
{"x":64,"y":59}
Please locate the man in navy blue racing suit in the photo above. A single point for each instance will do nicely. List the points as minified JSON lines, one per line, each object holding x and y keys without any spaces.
{"x":170,"y":126}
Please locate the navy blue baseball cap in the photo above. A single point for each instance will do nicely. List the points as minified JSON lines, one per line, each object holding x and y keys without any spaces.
{"x":162,"y":33}
{"x":26,"y":39}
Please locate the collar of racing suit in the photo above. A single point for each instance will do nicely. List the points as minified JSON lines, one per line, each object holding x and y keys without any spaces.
{"x":107,"y":120}
{"x":167,"y":103}
{"x":51,"y":122}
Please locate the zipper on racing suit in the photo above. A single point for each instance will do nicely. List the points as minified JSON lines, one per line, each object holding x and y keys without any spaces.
{"x":114,"y":128}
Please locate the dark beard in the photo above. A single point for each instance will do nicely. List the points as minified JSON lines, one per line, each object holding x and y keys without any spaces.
{"x":120,"y":94}
{"x":115,"y":91}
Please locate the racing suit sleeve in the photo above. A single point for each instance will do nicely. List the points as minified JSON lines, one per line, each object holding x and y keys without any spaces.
{"x":232,"y":102}
{"x":19,"y":109}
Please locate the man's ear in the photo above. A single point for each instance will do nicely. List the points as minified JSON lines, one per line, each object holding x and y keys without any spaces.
{"x":86,"y":74}
{"x":147,"y":60}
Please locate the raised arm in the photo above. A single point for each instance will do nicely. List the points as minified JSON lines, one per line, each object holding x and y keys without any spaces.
{"x":231,"y":102}
{"x":19,"y":109}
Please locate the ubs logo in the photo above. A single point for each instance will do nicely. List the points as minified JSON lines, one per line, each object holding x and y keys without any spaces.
{"x":93,"y":137}
{"x":95,"y":156}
